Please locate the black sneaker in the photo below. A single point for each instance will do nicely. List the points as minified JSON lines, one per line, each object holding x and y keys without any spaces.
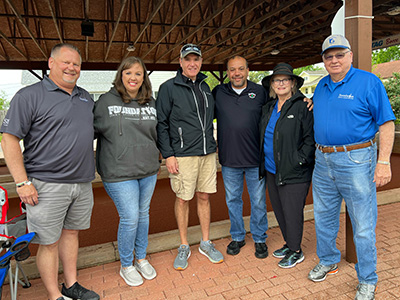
{"x":78,"y":292}
{"x":234,"y":247}
{"x":291,"y":259}
{"x":261,"y":250}
{"x":281,"y":253}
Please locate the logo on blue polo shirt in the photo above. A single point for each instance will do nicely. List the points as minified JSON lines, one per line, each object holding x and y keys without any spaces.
{"x":252,"y":95}
{"x":349,"y":96}
{"x":83,"y":99}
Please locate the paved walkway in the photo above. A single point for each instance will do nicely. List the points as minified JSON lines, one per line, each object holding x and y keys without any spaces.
{"x":246,"y":277}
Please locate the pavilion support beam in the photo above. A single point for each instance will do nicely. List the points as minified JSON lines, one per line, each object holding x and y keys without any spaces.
{"x":358,"y":30}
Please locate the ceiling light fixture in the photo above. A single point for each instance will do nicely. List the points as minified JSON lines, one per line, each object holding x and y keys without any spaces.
{"x":131,"y":47}
{"x":275,"y":52}
{"x":394,"y":11}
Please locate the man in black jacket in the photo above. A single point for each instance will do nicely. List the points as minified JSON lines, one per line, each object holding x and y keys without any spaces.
{"x":238,"y":111}
{"x":185,"y":112}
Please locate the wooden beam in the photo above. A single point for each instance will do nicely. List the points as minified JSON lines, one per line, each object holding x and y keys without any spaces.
{"x":148,"y":21}
{"x":187,"y":37}
{"x":277,"y":34}
{"x":12,"y":45}
{"x":11,"y":4}
{"x":258,"y":21}
{"x":172,"y":27}
{"x":358,"y":30}
{"x":53,"y":15}
{"x":123,"y":3}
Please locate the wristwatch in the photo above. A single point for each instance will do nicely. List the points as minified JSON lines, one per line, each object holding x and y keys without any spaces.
{"x":20,"y":184}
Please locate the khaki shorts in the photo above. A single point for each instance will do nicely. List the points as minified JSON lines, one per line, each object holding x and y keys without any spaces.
{"x":196,"y":174}
{"x":61,"y":206}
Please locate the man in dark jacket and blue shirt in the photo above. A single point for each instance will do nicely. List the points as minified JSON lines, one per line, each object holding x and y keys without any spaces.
{"x":238,"y":111}
{"x":185,"y":112}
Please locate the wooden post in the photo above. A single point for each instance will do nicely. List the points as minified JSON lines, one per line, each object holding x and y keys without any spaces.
{"x":358,"y":28}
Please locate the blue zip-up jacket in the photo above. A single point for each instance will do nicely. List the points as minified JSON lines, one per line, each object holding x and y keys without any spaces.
{"x":180,"y":129}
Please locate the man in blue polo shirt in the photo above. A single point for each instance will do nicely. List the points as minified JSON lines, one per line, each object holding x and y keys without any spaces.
{"x":238,"y":112}
{"x":350,"y":107}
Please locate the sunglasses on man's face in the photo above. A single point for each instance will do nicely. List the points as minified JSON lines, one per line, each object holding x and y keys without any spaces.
{"x":190,"y":48}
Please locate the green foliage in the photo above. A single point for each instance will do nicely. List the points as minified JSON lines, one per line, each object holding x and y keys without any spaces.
{"x":306,"y":68}
{"x":393,"y":90}
{"x":4,"y":104}
{"x":385,"y":55}
{"x":255,"y":76}
{"x":212,"y":81}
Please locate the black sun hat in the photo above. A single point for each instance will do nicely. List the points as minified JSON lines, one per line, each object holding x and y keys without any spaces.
{"x":282,"y":69}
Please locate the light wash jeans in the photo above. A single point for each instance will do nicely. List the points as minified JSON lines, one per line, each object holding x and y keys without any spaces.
{"x":233,"y":183}
{"x":132,"y":200}
{"x":349,"y":176}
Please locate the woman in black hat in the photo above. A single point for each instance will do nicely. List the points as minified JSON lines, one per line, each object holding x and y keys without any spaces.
{"x":287,"y":157}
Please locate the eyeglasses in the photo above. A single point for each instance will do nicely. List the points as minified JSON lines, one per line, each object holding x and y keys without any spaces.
{"x":279,"y":81}
{"x":338,"y":56}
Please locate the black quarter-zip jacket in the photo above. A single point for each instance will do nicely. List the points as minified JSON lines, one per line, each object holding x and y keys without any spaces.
{"x":294,"y":145}
{"x":181,"y":130}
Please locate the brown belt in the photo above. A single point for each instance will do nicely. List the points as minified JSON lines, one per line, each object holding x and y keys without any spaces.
{"x":330,"y":149}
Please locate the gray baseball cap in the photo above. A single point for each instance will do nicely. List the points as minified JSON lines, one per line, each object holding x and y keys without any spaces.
{"x":190,"y":48}
{"x":335,"y":41}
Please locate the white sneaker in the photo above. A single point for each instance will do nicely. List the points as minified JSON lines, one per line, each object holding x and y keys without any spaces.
{"x":146,"y":269}
{"x":131,"y":276}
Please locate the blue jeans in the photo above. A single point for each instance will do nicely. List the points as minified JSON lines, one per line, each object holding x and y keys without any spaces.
{"x":233,"y":183}
{"x":132,"y":200}
{"x":346,"y":175}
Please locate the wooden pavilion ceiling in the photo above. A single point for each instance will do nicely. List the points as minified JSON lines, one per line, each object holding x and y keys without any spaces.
{"x":156,"y":30}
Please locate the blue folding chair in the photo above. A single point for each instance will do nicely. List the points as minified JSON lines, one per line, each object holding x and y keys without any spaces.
{"x":13,"y":230}
{"x":19,"y":250}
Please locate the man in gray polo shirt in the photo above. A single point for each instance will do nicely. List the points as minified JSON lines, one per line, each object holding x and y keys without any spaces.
{"x":53,"y":176}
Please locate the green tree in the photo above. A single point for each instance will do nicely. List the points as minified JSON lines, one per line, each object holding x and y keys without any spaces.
{"x":212,"y":81}
{"x":306,"y":68}
{"x":4,"y":104}
{"x":385,"y":55}
{"x":255,"y":76}
{"x":392,"y":87}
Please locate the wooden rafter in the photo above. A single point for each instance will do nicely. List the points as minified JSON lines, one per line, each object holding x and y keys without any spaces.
{"x":254,"y":23}
{"x":53,"y":15}
{"x":172,"y":27}
{"x":273,"y":36}
{"x":197,"y":29}
{"x":26,"y":27}
{"x":12,"y":45}
{"x":149,"y":20}
{"x":229,"y":23}
{"x":121,"y":10}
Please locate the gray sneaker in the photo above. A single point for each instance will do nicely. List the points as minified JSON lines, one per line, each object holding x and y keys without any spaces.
{"x":365,"y":291}
{"x":208,"y":249}
{"x":181,"y":260}
{"x":146,"y":269}
{"x":320,"y":272}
